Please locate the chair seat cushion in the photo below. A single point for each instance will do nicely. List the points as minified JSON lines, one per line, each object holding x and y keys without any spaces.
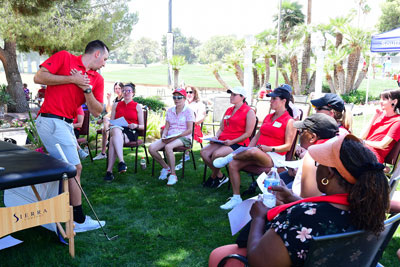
{"x":181,"y":149}
{"x":81,"y":140}
{"x":134,"y":143}
{"x":99,"y":131}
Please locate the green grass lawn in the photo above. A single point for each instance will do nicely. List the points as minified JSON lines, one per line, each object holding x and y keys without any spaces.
{"x":157,"y":225}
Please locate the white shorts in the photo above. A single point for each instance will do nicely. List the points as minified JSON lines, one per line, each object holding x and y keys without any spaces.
{"x":277,"y":159}
{"x":54,"y":131}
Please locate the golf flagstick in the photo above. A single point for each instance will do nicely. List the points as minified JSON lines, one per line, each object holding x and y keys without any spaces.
{"x":87,"y":200}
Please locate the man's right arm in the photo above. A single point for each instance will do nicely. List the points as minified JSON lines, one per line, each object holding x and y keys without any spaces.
{"x":43,"y":76}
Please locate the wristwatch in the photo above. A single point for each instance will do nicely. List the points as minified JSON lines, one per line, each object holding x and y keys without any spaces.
{"x":88,"y":90}
{"x":273,"y":149}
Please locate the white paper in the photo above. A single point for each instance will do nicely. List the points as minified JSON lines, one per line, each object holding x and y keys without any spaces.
{"x":8,"y":241}
{"x":239,"y":216}
{"x":213,"y":139}
{"x":119,"y":122}
{"x":170,"y":136}
{"x":241,"y":149}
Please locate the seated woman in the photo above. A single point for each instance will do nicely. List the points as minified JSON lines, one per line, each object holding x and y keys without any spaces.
{"x":106,"y":118}
{"x":199,"y":109}
{"x":269,"y":146}
{"x":383,"y":131}
{"x":356,"y":196}
{"x":177,"y":132}
{"x":333,"y":105}
{"x":133,"y":114}
{"x":235,"y":129}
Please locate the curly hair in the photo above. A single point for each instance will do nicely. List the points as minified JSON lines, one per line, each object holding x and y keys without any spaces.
{"x":369,"y":196}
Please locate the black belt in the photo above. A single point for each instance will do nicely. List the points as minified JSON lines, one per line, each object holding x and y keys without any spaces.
{"x":48,"y":115}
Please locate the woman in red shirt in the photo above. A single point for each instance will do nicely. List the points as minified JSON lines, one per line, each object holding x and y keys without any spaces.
{"x":383,"y":131}
{"x":270,"y":144}
{"x":235,"y":129}
{"x":133,"y":114}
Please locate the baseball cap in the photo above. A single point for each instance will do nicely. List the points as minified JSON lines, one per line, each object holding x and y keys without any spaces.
{"x":283,"y":91}
{"x":331,"y":100}
{"x":321,"y":124}
{"x":238,"y":90}
{"x":328,"y":154}
{"x":180,"y":91}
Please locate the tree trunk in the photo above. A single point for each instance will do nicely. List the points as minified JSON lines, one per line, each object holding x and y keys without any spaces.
{"x":263,"y":82}
{"x":311,"y":83}
{"x":328,"y":78}
{"x":285,"y":76}
{"x":341,"y":79}
{"x":220,"y":80}
{"x":294,"y":76}
{"x":361,"y":77}
{"x":267,"y":69}
{"x":176,"y":76}
{"x":339,"y":40}
{"x":8,"y":56}
{"x":305,"y":62}
{"x":239,"y":72}
{"x":352,"y":66}
{"x":256,"y":79}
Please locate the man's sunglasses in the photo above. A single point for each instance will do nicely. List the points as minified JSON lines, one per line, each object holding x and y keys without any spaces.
{"x":177,"y":97}
{"x":323,"y":108}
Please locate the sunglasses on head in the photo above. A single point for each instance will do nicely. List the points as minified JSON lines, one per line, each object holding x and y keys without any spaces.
{"x":177,"y":97}
{"x":189,"y":92}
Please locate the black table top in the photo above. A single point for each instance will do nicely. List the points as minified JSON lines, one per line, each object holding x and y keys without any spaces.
{"x":25,"y":167}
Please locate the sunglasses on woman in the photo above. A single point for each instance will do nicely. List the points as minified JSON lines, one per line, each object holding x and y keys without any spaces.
{"x":189,"y":92}
{"x":177,"y":97}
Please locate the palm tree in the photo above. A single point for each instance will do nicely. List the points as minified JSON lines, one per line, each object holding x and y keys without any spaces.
{"x":291,"y":16}
{"x":215,"y":68}
{"x":305,"y":61}
{"x":234,"y":61}
{"x":333,"y":62}
{"x":266,"y":48}
{"x":177,"y":62}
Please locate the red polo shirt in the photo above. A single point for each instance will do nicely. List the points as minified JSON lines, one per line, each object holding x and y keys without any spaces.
{"x":128,"y":111}
{"x":63,"y":100}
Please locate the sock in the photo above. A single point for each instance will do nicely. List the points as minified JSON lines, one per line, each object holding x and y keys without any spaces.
{"x":79,"y":217}
{"x":236,"y":197}
{"x":229,"y":157}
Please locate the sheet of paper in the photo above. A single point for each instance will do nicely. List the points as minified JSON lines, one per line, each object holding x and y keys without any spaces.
{"x":9,"y":241}
{"x":239,"y":216}
{"x":170,"y":136}
{"x":213,"y":139}
{"x":241,"y":149}
{"x":119,"y":122}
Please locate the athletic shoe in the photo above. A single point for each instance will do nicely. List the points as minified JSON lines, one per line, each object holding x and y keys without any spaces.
{"x":219,"y":181}
{"x":187,"y":157}
{"x":164,"y":173}
{"x":233,"y":202}
{"x":172,"y":179}
{"x":82,"y":154}
{"x":122,"y":167}
{"x":222,"y":161}
{"x":209,"y":182}
{"x":88,"y":225}
{"x":178,"y":167}
{"x":109,"y":177}
{"x":100,"y":156}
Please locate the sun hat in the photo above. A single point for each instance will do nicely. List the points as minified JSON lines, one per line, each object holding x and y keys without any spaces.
{"x":331,"y":100}
{"x":321,"y":124}
{"x":180,"y":91}
{"x":328,"y":154}
{"x":238,"y":90}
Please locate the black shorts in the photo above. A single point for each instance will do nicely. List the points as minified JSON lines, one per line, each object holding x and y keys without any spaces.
{"x":235,"y":146}
{"x":132,"y":134}
{"x":76,"y":132}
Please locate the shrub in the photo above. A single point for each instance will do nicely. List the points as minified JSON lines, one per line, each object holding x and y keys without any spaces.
{"x":357,"y":97}
{"x":153,"y":102}
{"x":154,"y":122}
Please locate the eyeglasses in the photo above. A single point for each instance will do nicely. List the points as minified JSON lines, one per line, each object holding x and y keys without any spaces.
{"x":189,"y":92}
{"x":127,"y":91}
{"x":303,"y":130}
{"x":323,"y":108}
{"x":177,"y":97}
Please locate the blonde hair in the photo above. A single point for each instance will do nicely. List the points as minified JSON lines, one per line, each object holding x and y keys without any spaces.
{"x":345,"y":118}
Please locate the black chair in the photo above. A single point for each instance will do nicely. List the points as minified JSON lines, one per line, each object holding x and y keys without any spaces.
{"x":356,"y":248}
{"x":182,"y":149}
{"x":85,"y":131}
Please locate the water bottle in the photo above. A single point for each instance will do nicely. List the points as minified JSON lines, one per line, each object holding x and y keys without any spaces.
{"x":143,"y":163}
{"x":86,"y":149}
{"x":272,"y":179}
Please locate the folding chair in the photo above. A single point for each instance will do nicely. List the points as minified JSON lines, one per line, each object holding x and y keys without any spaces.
{"x":356,"y":248}
{"x":85,"y":131}
{"x":393,"y":158}
{"x":221,"y":104}
{"x":182,"y":149}
{"x":99,"y":131}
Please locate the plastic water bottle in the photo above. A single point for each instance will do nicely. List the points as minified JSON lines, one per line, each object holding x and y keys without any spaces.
{"x":143,"y":163}
{"x":272,"y":179}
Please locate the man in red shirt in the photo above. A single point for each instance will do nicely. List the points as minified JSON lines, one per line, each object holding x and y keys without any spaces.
{"x":71,"y":81}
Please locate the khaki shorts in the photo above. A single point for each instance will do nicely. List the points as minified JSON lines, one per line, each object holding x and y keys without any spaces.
{"x":186,"y":141}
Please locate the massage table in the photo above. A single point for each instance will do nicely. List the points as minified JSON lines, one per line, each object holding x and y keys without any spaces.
{"x":23,"y":167}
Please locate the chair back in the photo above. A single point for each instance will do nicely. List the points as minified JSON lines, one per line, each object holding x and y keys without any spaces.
{"x":393,"y":182}
{"x":143,"y":132}
{"x":263,"y":108}
{"x":253,"y":133}
{"x":393,"y":156}
{"x":357,"y":248}
{"x":85,"y":125}
{"x":300,"y":99}
{"x":221,"y":104}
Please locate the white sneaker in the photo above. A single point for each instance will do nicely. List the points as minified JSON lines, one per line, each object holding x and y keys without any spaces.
{"x":222,"y":161}
{"x":178,"y":167}
{"x":82,"y":154}
{"x":172,"y":179}
{"x":100,"y":156}
{"x":164,"y":173}
{"x":233,"y":202}
{"x":187,"y":157}
{"x":88,"y":225}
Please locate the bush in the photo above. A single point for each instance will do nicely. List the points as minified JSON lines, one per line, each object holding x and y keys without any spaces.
{"x":153,"y":102}
{"x":357,"y":97}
